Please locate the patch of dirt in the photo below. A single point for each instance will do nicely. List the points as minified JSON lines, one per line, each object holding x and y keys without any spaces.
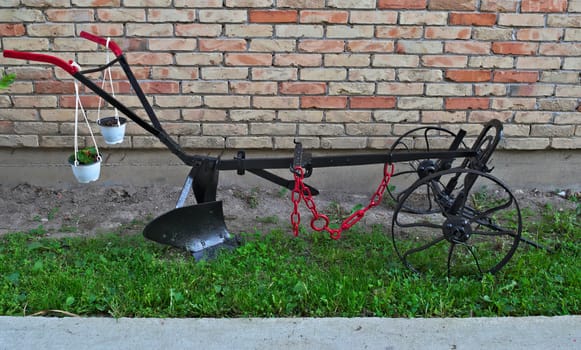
{"x":86,"y":210}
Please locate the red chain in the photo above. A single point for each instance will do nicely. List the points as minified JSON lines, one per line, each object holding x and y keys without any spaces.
{"x":301,"y":191}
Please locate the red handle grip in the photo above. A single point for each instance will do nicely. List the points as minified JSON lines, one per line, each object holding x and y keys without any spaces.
{"x":39,"y":57}
{"x":102,"y":41}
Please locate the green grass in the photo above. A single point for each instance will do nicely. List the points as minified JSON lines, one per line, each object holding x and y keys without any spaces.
{"x":280,"y":275}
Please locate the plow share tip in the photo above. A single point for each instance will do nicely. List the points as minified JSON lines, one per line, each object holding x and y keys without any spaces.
{"x":198,"y":228}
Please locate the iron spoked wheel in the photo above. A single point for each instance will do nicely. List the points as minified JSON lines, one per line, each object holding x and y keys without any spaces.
{"x":476,"y":230}
{"x":425,"y":138}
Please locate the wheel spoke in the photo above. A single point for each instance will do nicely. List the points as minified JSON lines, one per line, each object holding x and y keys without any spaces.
{"x":492,"y":234}
{"x":429,"y":197}
{"x":420,"y":224}
{"x":427,"y":140}
{"x":492,"y":210}
{"x":450,"y":253}
{"x":423,"y":247}
{"x":469,"y":248}
{"x":404,"y":173}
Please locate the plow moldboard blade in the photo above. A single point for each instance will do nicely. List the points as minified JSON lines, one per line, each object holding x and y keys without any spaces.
{"x":196,"y":228}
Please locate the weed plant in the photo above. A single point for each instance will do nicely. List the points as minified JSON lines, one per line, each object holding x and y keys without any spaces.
{"x":277,"y":275}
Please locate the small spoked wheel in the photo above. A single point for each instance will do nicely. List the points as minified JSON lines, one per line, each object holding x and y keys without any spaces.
{"x":475,"y":230}
{"x":429,"y":138}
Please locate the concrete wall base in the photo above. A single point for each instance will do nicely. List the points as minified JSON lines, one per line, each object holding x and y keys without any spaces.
{"x":543,"y":170}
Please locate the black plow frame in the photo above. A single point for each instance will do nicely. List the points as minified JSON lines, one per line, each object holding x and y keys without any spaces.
{"x":450,"y":198}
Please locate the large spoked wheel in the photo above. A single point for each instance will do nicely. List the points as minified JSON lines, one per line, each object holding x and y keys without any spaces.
{"x":476,"y":229}
{"x":428,"y":138}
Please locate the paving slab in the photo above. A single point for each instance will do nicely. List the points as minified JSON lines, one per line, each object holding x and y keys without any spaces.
{"x":562,"y":332}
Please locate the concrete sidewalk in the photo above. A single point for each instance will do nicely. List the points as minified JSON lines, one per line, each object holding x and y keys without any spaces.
{"x":563,"y":332}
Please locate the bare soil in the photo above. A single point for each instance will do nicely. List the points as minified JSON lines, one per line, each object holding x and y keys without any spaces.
{"x":88,"y":210}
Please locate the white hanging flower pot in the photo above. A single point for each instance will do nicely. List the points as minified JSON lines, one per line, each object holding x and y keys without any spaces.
{"x":86,"y":165}
{"x":85,"y":162}
{"x":112,"y":129}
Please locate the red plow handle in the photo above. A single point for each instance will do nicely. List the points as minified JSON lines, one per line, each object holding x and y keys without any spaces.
{"x":102,"y":41}
{"x":39,"y":57}
{"x":67,"y":66}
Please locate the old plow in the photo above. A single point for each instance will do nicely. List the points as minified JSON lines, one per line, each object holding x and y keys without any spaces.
{"x":450,"y":206}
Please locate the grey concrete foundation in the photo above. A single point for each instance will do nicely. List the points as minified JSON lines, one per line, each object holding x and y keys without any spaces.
{"x":543,"y":170}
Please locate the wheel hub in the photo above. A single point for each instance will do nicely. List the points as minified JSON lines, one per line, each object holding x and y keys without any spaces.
{"x":426,"y":167}
{"x":457,"y":229}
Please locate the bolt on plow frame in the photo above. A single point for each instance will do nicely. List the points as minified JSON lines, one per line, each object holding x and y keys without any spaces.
{"x":451,"y":214}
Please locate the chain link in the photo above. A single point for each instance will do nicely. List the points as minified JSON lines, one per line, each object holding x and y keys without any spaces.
{"x":296,"y":198}
{"x":320,"y":222}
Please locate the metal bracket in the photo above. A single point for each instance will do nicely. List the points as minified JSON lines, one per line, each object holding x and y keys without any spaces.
{"x":203,"y":178}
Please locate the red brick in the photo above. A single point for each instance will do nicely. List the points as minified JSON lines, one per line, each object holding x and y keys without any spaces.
{"x":139,"y":72}
{"x":324,"y":102}
{"x":399,"y":32}
{"x":198,"y":29}
{"x":468,"y":75}
{"x":169,"y":72}
{"x":531,"y":90}
{"x":544,"y":5}
{"x":310,"y":16}
{"x":11,"y":29}
{"x":248,"y":59}
{"x":70,"y":15}
{"x":68,"y":101}
{"x":135,"y":44}
{"x":321,"y":45}
{"x":222,"y":44}
{"x":37,"y":73}
{"x":402,"y":4}
{"x":120,"y":87}
{"x":472,"y":19}
{"x":485,"y":116}
{"x":448,"y":33}
{"x":514,"y":48}
{"x":273,"y":16}
{"x":160,"y":87}
{"x":444,"y":61}
{"x":54,"y":87}
{"x":253,"y":87}
{"x":458,"y":5}
{"x":149,"y":58}
{"x":370,"y":46}
{"x":466,"y":103}
{"x":515,"y":77}
{"x":297,"y":88}
{"x":104,"y":29}
{"x":373,"y":102}
{"x":544,"y":34}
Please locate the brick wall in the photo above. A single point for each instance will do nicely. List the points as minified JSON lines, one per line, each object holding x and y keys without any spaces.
{"x":343,"y":74}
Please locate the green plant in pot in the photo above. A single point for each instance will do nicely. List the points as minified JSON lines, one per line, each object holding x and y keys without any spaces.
{"x":7,"y":80}
{"x":86,"y":164}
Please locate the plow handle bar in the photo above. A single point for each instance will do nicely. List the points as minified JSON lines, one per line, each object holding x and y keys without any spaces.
{"x":67,"y":66}
{"x":102,"y":41}
{"x":39,"y":57}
